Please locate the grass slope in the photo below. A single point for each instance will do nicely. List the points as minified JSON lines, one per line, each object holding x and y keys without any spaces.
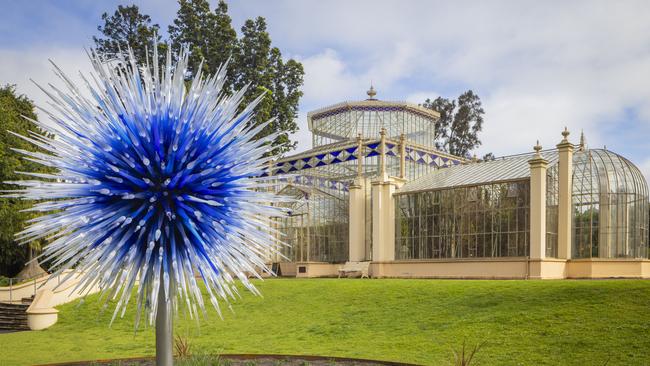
{"x":415,"y":321}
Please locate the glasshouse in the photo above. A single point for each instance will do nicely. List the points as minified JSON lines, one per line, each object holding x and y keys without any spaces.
{"x":374,"y":196}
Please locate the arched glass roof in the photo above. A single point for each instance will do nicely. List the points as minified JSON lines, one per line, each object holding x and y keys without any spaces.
{"x":610,"y":200}
{"x":610,"y":197}
{"x":501,"y":169}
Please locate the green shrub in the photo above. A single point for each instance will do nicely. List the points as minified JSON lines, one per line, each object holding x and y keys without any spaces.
{"x":4,"y":281}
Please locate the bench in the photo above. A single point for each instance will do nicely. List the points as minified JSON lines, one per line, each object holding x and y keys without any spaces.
{"x":354,"y":267}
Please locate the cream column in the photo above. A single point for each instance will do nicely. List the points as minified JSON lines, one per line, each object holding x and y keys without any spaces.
{"x":383,"y":210}
{"x":357,"y":228}
{"x":538,"y":167}
{"x":565,"y":197}
{"x":357,"y":223}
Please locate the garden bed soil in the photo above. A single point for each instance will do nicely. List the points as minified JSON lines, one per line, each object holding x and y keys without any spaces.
{"x":243,"y":360}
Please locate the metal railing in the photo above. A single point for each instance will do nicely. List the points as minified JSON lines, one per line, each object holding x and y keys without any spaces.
{"x":15,"y":282}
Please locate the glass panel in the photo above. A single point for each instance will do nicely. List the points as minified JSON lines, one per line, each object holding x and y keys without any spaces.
{"x":610,"y":207}
{"x":466,"y":222}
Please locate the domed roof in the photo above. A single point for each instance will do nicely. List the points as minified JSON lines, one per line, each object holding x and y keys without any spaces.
{"x":610,"y":206}
{"x":372,"y":105}
{"x":605,"y":171}
{"x":346,"y":120}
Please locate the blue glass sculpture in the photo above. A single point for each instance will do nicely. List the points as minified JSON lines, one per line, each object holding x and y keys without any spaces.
{"x":156,"y":179}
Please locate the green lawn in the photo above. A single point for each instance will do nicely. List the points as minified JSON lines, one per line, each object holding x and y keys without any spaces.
{"x":418,"y":321}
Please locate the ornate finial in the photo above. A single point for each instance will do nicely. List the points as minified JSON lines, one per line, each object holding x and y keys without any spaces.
{"x":565,"y":134}
{"x":583,"y":141}
{"x":382,"y":132}
{"x":537,"y":148}
{"x":474,"y":158}
{"x":371,"y":92}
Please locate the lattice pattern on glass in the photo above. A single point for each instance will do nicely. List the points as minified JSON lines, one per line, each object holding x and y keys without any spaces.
{"x":610,"y":207}
{"x":489,"y":220}
{"x":316,"y":227}
{"x":552,"y":200}
{"x":347,"y":123}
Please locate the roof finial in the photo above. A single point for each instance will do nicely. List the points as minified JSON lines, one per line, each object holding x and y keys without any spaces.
{"x":371,"y":92}
{"x":583,"y":141}
{"x":565,"y":134}
{"x":537,"y":149}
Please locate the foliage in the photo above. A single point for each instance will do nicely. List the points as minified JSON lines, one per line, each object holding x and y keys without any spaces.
{"x":460,"y":123}
{"x":487,"y":157}
{"x":414,"y":321}
{"x":182,"y":346}
{"x":12,"y":109}
{"x":210,"y":37}
{"x":262,"y":66}
{"x":125,"y":28}
{"x":464,"y":357}
{"x":202,"y":360}
{"x":211,"y":40}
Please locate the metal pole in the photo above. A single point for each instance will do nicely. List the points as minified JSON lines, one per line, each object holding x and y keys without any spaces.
{"x":382,"y":152}
{"x":402,"y":156}
{"x":164,"y":329}
{"x":359,"y":156}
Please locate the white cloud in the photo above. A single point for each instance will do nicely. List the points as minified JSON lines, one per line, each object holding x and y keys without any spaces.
{"x":329,"y":80}
{"x":537,"y":66}
{"x":418,"y":97}
{"x":20,"y":67}
{"x":645,"y":169}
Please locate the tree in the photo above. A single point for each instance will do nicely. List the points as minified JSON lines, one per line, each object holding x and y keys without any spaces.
{"x":489,"y":156}
{"x":12,"y":109}
{"x":212,"y":40}
{"x":127,"y":27}
{"x":210,"y":37}
{"x":259,"y":65}
{"x":461,"y":120}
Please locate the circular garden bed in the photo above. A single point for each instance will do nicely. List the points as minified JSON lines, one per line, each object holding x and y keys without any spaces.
{"x":240,"y":360}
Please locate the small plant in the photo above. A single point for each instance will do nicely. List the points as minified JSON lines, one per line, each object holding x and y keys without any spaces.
{"x":465,"y":357}
{"x":182,"y":347}
{"x":201,"y":360}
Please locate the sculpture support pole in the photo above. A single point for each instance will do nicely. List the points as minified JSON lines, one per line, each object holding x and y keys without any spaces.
{"x":164,"y":356}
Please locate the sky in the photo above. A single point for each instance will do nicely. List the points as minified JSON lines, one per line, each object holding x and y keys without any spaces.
{"x":538,"y":66}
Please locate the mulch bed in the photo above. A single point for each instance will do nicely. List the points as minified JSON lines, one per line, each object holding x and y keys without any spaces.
{"x":247,"y":360}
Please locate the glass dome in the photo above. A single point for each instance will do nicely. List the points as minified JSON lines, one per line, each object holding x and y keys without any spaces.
{"x":610,"y":206}
{"x":345,"y":121}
